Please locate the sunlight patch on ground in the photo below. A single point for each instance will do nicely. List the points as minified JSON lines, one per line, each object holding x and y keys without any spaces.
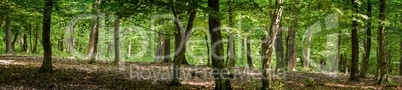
{"x":203,"y":83}
{"x":10,"y":62}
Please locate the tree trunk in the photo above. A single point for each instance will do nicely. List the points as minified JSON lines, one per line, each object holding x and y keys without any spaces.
{"x":231,"y":42}
{"x":47,"y":47}
{"x":70,"y":40}
{"x":9,"y":47}
{"x":166,"y":51}
{"x":208,"y":52}
{"x":338,"y":54}
{"x":116,"y":41}
{"x":280,"y":61}
{"x":159,"y":49}
{"x":95,"y":34}
{"x":129,"y":49}
{"x":292,"y":47}
{"x":381,"y":63}
{"x":14,"y":41}
{"x":354,"y":70}
{"x":35,"y":48}
{"x":307,"y":56}
{"x":181,"y":37}
{"x":217,"y":49}
{"x":266,"y":75}
{"x":248,"y":50}
{"x":367,"y":44}
{"x":24,"y":43}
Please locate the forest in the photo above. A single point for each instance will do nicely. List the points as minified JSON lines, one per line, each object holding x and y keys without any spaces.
{"x":201,"y":44}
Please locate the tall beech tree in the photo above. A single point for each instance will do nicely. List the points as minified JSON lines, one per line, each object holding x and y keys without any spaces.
{"x":221,"y":83}
{"x":355,"y":45}
{"x":182,"y":35}
{"x":266,"y":75}
{"x":381,"y":62}
{"x":366,"y":44}
{"x":47,"y":47}
{"x":94,"y":36}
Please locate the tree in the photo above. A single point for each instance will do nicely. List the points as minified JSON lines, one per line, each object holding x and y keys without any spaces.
{"x":181,"y":37}
{"x":266,"y":75}
{"x":217,"y":47}
{"x":47,"y":47}
{"x":292,"y":46}
{"x":307,"y":55}
{"x":279,"y":48}
{"x":355,"y":46}
{"x":381,"y":63}
{"x":166,"y":47}
{"x":9,"y":47}
{"x":366,"y":44}
{"x":116,"y":41}
{"x":94,"y":36}
{"x":231,"y":42}
{"x":248,"y":50}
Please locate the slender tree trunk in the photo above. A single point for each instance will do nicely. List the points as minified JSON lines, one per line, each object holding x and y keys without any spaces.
{"x":35,"y":48}
{"x":292,"y":47}
{"x":248,"y":50}
{"x":208,"y":52}
{"x":338,"y":54}
{"x":159,"y":49}
{"x":367,"y":44}
{"x":14,"y":41}
{"x":381,"y":63}
{"x":24,"y":42}
{"x":231,"y":42}
{"x":279,"y":48}
{"x":116,"y":41}
{"x":355,"y":47}
{"x":9,"y":47}
{"x":129,"y":49}
{"x":307,"y":56}
{"x":95,"y":33}
{"x":166,"y":47}
{"x":71,"y":39}
{"x":266,"y":75}
{"x":217,"y":49}
{"x":47,"y":47}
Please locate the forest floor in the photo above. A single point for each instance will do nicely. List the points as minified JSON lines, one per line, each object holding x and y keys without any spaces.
{"x":21,"y":72}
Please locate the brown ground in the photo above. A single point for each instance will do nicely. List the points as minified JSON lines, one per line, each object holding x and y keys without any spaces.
{"x":18,"y":72}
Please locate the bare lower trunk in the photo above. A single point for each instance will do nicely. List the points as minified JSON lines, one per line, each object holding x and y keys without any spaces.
{"x":279,"y":49}
{"x":117,"y":41}
{"x":307,"y":55}
{"x":208,"y":52}
{"x":292,"y":47}
{"x":248,"y":50}
{"x":166,"y":47}
{"x":9,"y":47}
{"x":159,"y":49}
{"x":70,"y":39}
{"x":35,"y":47}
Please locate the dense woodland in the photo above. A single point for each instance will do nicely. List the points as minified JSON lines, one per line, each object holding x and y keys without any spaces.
{"x":293,"y":44}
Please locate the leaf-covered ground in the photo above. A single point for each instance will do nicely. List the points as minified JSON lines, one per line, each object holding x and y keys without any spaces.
{"x":18,"y":72}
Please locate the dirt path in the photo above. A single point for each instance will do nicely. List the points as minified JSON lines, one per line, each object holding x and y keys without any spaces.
{"x":21,"y":73}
